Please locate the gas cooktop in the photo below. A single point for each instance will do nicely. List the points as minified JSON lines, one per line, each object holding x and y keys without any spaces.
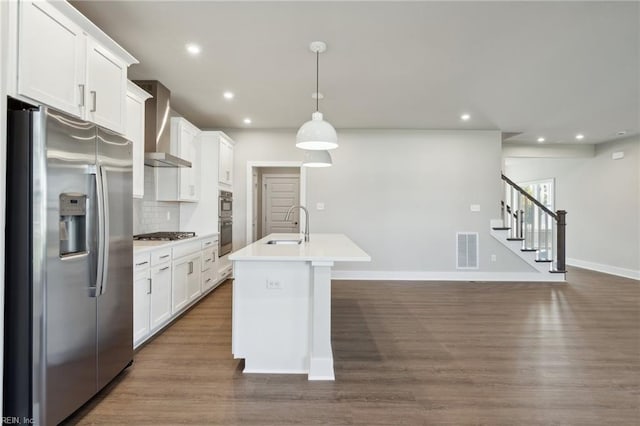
{"x":164,"y":236}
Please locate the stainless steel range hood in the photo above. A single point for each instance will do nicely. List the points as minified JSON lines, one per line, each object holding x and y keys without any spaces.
{"x":157,"y":128}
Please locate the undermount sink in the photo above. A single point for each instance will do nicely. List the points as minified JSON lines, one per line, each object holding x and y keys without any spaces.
{"x":284,"y":241}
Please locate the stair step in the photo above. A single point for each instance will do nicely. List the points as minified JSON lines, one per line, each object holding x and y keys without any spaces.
{"x":515,"y":239}
{"x":528,"y":249}
{"x":501,"y":228}
{"x":543,"y":260}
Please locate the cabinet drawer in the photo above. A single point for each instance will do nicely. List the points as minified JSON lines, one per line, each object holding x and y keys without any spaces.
{"x":161,"y":255}
{"x":209,"y":242}
{"x":209,"y":279}
{"x":225,"y":272}
{"x":141,"y":261}
{"x":186,"y":249}
{"x":208,"y":258}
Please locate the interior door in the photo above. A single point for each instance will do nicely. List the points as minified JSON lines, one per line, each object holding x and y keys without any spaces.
{"x":280,"y":193}
{"x":115,"y":301}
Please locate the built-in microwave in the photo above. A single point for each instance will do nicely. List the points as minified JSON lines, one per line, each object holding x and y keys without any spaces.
{"x":226,"y":204}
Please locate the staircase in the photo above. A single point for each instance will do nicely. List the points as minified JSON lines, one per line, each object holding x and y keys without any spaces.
{"x":531,"y":230}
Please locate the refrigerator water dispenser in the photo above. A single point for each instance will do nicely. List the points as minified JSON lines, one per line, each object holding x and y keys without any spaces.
{"x":73,"y":225}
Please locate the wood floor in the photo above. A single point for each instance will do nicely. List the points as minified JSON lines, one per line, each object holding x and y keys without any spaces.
{"x":407,"y":354}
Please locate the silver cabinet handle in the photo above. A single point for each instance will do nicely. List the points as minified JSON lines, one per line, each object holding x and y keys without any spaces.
{"x":94,"y":96}
{"x":208,"y":243}
{"x":208,"y":281}
{"x":190,"y":268}
{"x":142,"y":263}
{"x":209,"y":259}
{"x":81,"y":86}
{"x":164,"y":257}
{"x":164,"y":269}
{"x":150,"y":289}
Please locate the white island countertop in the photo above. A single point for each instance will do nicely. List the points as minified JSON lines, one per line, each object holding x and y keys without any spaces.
{"x":319,"y":248}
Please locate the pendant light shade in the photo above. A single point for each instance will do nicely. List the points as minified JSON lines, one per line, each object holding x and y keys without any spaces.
{"x":317,"y":134}
{"x":317,"y":158}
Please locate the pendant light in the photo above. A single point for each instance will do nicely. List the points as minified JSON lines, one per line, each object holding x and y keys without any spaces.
{"x":317,"y":134}
{"x":317,"y":158}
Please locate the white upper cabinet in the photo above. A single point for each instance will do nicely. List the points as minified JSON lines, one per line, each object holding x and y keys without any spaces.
{"x":181,"y":184}
{"x":51,"y":67}
{"x":225,"y":165}
{"x":64,"y":61}
{"x":136,"y":98}
{"x":106,"y":88}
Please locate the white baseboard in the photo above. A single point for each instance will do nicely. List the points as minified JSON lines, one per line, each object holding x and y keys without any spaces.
{"x":607,"y":269}
{"x":447,"y":276}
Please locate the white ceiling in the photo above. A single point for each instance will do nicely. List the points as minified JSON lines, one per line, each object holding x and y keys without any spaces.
{"x":549,"y":69}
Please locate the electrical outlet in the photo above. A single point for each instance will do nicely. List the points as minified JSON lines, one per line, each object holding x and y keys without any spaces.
{"x":474,"y":207}
{"x":168,"y":215}
{"x":273,"y":285}
{"x":319,"y":206}
{"x":494,"y":258}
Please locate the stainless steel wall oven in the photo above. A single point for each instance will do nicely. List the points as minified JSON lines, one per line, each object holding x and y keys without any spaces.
{"x":225,"y":222}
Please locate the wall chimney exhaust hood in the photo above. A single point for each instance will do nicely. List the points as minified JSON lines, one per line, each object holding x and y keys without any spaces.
{"x":157,"y":127}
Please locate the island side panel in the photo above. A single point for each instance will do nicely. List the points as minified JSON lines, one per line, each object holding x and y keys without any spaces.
{"x":271,"y":316}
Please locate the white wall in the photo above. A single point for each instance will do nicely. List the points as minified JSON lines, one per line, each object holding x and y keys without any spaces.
{"x":602,"y":200}
{"x":150,"y":215}
{"x":400,"y":195}
{"x":202,"y":217}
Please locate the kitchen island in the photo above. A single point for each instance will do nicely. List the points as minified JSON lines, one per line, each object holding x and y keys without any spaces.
{"x":282,"y":302}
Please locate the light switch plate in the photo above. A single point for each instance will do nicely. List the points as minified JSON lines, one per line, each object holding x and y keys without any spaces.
{"x":319,"y":206}
{"x":475,"y":207}
{"x":617,"y":155}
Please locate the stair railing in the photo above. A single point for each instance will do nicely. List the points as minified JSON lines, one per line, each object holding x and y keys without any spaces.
{"x":540,"y":229}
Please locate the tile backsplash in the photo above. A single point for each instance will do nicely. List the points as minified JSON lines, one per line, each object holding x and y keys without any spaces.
{"x":150,"y":215}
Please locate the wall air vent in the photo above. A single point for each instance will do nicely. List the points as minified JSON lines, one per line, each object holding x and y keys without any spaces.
{"x":467,"y":250}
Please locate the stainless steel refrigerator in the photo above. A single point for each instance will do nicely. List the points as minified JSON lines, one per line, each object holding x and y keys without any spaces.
{"x":69,"y":294}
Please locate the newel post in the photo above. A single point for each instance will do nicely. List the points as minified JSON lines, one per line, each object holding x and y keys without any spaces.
{"x":562,"y":224}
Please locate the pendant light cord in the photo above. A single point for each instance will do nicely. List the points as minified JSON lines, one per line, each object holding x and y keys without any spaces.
{"x":317,"y":79}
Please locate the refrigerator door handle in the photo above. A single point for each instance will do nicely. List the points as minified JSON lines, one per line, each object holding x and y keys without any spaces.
{"x":100,"y":208}
{"x":105,"y":228}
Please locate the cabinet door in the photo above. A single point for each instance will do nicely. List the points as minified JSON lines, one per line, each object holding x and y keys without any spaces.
{"x":222,"y":161}
{"x":189,"y":151}
{"x":193,"y":279}
{"x":179,"y":285}
{"x":51,"y":58}
{"x":106,"y":88}
{"x":141,"y":306}
{"x":225,"y":162}
{"x":160,"y":295}
{"x":135,"y":133}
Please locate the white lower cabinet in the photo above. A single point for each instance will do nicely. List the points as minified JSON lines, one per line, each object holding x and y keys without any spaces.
{"x":193,"y":278}
{"x":141,"y":305}
{"x":186,"y":275}
{"x":209,"y":264}
{"x":160,"y":295}
{"x":167,"y":280}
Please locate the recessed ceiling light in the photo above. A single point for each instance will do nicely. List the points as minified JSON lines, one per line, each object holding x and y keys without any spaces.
{"x":194,"y":49}
{"x":465,"y":117}
{"x":579,"y":136}
{"x":247,"y":121}
{"x":228,"y":95}
{"x":540,"y":139}
{"x":621,"y":133}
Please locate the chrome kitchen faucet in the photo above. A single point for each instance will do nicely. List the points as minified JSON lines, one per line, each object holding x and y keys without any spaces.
{"x":306,"y":222}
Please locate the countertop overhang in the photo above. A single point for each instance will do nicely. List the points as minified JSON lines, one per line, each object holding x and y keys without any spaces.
{"x":319,"y":248}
